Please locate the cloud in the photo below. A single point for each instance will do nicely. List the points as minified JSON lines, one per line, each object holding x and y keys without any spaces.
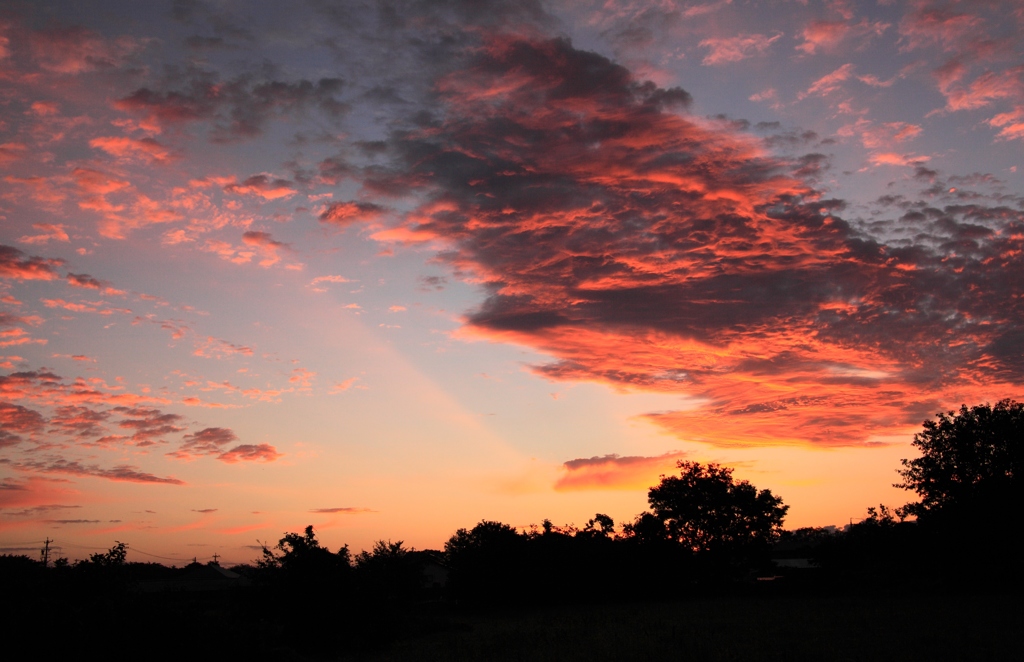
{"x":735,"y":49}
{"x":614,"y":471}
{"x":648,"y":249}
{"x":823,"y":35}
{"x":346,"y":213}
{"x":250,"y":453}
{"x":14,"y":264}
{"x":928,"y":23}
{"x":215,"y":348}
{"x":897,"y":159}
{"x":77,"y":50}
{"x":148,"y":425}
{"x":303,"y":378}
{"x":266,"y":244}
{"x":79,"y":421}
{"x":326,"y":279}
{"x":264,"y":186}
{"x":208,"y":441}
{"x":830,"y":82}
{"x":341,"y":511}
{"x":341,"y":387}
{"x":84,"y":280}
{"x":11,"y":152}
{"x":123,"y":147}
{"x":1011,"y":124}
{"x":986,"y":88}
{"x":16,"y":421}
{"x":47,"y":232}
{"x":48,"y":386}
{"x":96,"y":307}
{"x":120,"y":473}
{"x":238,"y":108}
{"x":38,"y":510}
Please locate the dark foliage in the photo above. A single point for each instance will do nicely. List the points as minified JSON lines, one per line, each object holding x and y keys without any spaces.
{"x":730,"y":526}
{"x":970,"y":464}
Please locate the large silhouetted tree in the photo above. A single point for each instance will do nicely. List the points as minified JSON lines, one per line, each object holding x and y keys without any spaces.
{"x":970,"y":463}
{"x":706,"y":511}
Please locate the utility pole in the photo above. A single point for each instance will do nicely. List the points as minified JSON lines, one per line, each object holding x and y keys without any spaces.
{"x":215,"y":557}
{"x":45,"y":553}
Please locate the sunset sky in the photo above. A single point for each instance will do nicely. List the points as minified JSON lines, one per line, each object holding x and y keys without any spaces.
{"x":389,"y":268}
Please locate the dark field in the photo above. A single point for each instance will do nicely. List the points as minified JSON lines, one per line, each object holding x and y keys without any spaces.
{"x":740,"y":628}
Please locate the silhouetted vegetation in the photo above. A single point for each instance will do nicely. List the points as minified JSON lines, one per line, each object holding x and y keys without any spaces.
{"x":705,"y":538}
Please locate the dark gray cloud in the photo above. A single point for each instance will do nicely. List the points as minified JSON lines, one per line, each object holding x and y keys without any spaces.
{"x":603,"y":219}
{"x":238,"y":108}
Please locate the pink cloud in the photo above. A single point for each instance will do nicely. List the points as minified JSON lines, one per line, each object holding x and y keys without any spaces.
{"x":43,"y":190}
{"x":266,"y":245}
{"x":315,"y":283}
{"x":265,"y":186}
{"x":303,"y":378}
{"x":823,"y":35}
{"x":341,"y":387}
{"x":1011,"y":124}
{"x":897,"y":159}
{"x":216,"y":348}
{"x":15,"y":264}
{"x":984,"y":89}
{"x":11,"y":152}
{"x":614,"y":472}
{"x":97,"y":307}
{"x":132,"y":148}
{"x":346,"y":213}
{"x":15,"y":421}
{"x":875,"y":136}
{"x":830,"y":82}
{"x":735,"y":49}
{"x":47,"y":232}
{"x":929,"y":23}
{"x":76,"y":50}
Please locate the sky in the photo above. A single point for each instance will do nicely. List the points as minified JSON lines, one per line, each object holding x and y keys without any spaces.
{"x":390,"y":268}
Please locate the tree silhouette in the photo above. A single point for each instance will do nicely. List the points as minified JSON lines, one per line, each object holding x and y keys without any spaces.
{"x":706,"y":511}
{"x":301,"y":560}
{"x":487,"y":562}
{"x":970,"y":463}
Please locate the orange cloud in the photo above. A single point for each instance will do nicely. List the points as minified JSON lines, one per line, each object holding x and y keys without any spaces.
{"x":614,"y":472}
{"x":14,"y":264}
{"x":647,"y":249}
{"x":264,"y":186}
{"x":132,"y":148}
{"x":47,"y":232}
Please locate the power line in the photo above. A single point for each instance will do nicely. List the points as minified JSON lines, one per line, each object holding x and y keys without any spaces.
{"x":156,"y":556}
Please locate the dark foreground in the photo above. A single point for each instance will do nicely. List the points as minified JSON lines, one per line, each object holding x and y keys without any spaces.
{"x":249,"y":624}
{"x":738,"y":628}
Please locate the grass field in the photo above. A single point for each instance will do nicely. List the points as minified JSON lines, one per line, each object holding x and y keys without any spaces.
{"x":781,"y":628}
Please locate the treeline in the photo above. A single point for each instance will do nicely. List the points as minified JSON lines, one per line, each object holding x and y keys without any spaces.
{"x":705,"y":534}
